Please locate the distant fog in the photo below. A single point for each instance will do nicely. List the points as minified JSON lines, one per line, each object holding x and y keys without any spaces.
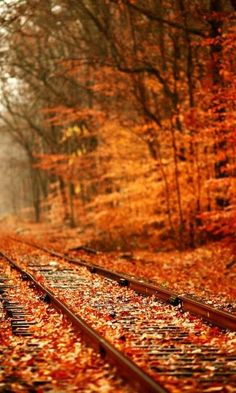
{"x":15,"y":192}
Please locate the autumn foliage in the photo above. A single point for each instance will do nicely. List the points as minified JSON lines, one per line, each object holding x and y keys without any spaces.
{"x":127,"y":117}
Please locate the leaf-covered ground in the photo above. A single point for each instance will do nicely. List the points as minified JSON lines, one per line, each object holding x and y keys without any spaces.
{"x":118,"y":314}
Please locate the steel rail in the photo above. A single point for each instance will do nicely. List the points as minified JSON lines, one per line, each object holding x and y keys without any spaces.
{"x":127,"y":368}
{"x":217,"y":317}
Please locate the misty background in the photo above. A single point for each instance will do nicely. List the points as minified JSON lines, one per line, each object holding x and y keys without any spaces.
{"x":14,"y":177}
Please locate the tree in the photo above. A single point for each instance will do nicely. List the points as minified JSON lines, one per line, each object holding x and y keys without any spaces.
{"x":97,"y":73}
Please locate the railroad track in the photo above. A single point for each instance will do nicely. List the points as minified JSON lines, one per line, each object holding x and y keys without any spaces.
{"x":223,"y":319}
{"x":164,"y":349}
{"x":127,"y":368}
